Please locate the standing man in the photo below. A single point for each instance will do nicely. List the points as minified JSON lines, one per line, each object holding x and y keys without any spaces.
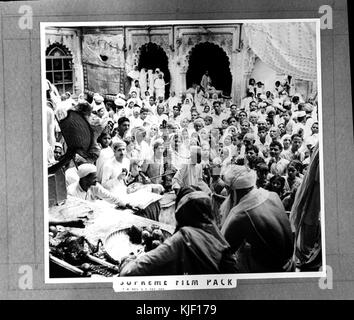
{"x":206,"y":81}
{"x":115,"y":170}
{"x":159,"y":86}
{"x":255,"y":224}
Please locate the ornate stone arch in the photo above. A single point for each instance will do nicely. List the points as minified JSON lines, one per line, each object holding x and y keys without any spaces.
{"x":185,"y":59}
{"x":137,"y":52}
{"x":198,"y":57}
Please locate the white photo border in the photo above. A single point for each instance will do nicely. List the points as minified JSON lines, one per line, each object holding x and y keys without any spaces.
{"x":248,"y":276}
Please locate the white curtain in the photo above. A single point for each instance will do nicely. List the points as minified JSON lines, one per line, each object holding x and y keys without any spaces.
{"x":287,"y":47}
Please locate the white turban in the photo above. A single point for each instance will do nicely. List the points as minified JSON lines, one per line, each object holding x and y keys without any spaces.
{"x":59,"y":145}
{"x":139,"y":129}
{"x":239,"y":177}
{"x":119,"y":102}
{"x":270,"y":109}
{"x":217,"y":161}
{"x":301,"y":114}
{"x":98,"y":98}
{"x":85,"y":169}
{"x":136,"y":109}
{"x":118,"y":143}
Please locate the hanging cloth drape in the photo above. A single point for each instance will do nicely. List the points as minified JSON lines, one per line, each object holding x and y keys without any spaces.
{"x":305,"y":218}
{"x":288,"y":48}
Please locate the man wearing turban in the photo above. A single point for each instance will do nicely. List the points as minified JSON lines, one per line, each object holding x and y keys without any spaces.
{"x":255,"y":224}
{"x":88,"y":188}
{"x":196,"y":247}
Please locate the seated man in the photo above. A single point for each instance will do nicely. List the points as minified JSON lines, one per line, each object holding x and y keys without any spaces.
{"x":115,"y":170}
{"x":196,"y":247}
{"x":256,"y":225}
{"x":137,"y":180}
{"x":88,"y":188}
{"x":190,"y":174}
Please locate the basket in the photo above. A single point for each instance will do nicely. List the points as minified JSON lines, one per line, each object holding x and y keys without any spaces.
{"x":118,"y":245}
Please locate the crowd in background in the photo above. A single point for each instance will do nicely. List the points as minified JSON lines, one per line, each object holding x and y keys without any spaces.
{"x":196,"y":135}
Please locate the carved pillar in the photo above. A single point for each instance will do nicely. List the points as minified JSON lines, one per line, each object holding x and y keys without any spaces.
{"x":78,"y":68}
{"x":238,"y":87}
{"x":174,"y":72}
{"x":183,"y":81}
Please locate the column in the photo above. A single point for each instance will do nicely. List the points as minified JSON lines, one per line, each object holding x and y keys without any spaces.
{"x":77,"y":61}
{"x":238,"y":83}
{"x":183,"y":80}
{"x":173,"y":72}
{"x":234,"y":75}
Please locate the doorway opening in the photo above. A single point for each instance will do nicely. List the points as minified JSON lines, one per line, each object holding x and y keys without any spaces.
{"x":211,"y":57}
{"x":152,"y":56}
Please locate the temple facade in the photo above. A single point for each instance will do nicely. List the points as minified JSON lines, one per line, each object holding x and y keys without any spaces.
{"x":100,"y":58}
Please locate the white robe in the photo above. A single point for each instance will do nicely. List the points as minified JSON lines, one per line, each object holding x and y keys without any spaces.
{"x":106,"y":154}
{"x":151,"y":80}
{"x":159,"y":86}
{"x":93,"y":193}
{"x":143,"y":81}
{"x":110,"y":172}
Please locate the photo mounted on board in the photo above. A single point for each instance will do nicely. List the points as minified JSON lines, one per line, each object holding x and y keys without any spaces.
{"x":182,"y":148}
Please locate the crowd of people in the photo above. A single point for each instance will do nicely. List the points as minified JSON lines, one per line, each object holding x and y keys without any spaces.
{"x":248,"y":159}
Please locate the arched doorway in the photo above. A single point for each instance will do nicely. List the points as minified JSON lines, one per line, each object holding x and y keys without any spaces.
{"x":211,"y":57}
{"x":152,"y":56}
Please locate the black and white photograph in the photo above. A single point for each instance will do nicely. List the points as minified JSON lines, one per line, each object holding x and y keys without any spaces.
{"x":182,"y":148}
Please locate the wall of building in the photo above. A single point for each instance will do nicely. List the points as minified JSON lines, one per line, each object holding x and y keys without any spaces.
{"x":262,"y":72}
{"x":122,"y":45}
{"x":70,"y":38}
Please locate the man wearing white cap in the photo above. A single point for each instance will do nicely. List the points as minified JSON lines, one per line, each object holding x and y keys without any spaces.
{"x":88,"y":188}
{"x":294,"y":153}
{"x":255,"y":224}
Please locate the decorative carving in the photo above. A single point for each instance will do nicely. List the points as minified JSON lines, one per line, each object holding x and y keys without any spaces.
{"x":188,"y":41}
{"x":249,"y":60}
{"x":140,"y":39}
